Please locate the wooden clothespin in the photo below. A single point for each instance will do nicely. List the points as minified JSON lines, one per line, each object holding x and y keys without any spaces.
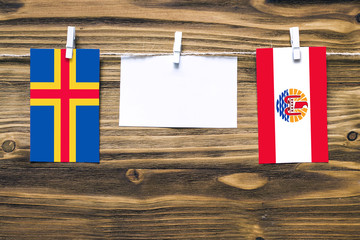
{"x":295,"y":42}
{"x":70,"y":43}
{"x":177,"y":47}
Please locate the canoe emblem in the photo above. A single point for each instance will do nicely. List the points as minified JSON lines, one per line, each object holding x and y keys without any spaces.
{"x":292,"y":105}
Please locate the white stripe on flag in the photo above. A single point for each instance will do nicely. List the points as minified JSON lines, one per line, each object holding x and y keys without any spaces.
{"x":292,"y":139}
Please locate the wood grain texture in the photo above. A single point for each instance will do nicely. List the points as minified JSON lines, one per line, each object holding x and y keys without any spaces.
{"x":163,"y":183}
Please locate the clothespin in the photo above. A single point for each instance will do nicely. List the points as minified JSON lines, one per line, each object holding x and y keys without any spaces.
{"x":295,"y":42}
{"x":177,"y":47}
{"x":70,"y":43}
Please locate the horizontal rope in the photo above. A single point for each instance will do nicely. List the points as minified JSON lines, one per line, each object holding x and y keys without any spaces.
{"x":185,"y":54}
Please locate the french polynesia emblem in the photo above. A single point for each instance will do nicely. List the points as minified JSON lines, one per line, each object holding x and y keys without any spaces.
{"x":292,"y":105}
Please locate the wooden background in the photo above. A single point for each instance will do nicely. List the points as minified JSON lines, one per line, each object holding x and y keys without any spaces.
{"x":162,"y":183}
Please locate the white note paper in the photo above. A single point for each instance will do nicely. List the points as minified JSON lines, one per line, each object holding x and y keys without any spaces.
{"x":200,"y":92}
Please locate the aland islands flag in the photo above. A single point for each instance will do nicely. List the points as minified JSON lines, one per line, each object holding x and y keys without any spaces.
{"x":292,"y":118}
{"x":64,"y":106}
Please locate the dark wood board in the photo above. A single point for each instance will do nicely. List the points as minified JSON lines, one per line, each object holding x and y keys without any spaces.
{"x":163,"y":183}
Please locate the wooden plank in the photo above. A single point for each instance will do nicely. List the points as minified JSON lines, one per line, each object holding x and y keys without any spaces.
{"x":162,"y":183}
{"x":143,"y":26}
{"x":270,"y":202}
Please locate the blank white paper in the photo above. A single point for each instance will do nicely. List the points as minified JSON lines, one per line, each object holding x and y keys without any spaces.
{"x":200,"y":92}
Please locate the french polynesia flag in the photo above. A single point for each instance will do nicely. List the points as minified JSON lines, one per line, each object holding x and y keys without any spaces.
{"x":292,"y":116}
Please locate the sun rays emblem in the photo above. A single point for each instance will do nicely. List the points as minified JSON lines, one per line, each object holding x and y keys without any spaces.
{"x":292,"y":105}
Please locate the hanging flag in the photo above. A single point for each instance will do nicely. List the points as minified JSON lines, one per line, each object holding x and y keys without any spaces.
{"x":64,"y":106}
{"x":292,"y":120}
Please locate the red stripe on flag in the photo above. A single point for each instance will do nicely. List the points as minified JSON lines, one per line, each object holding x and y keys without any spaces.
{"x":73,"y":93}
{"x":45,"y":93}
{"x":64,"y":107}
{"x":266,"y":108}
{"x":80,"y":93}
{"x":319,"y":141}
